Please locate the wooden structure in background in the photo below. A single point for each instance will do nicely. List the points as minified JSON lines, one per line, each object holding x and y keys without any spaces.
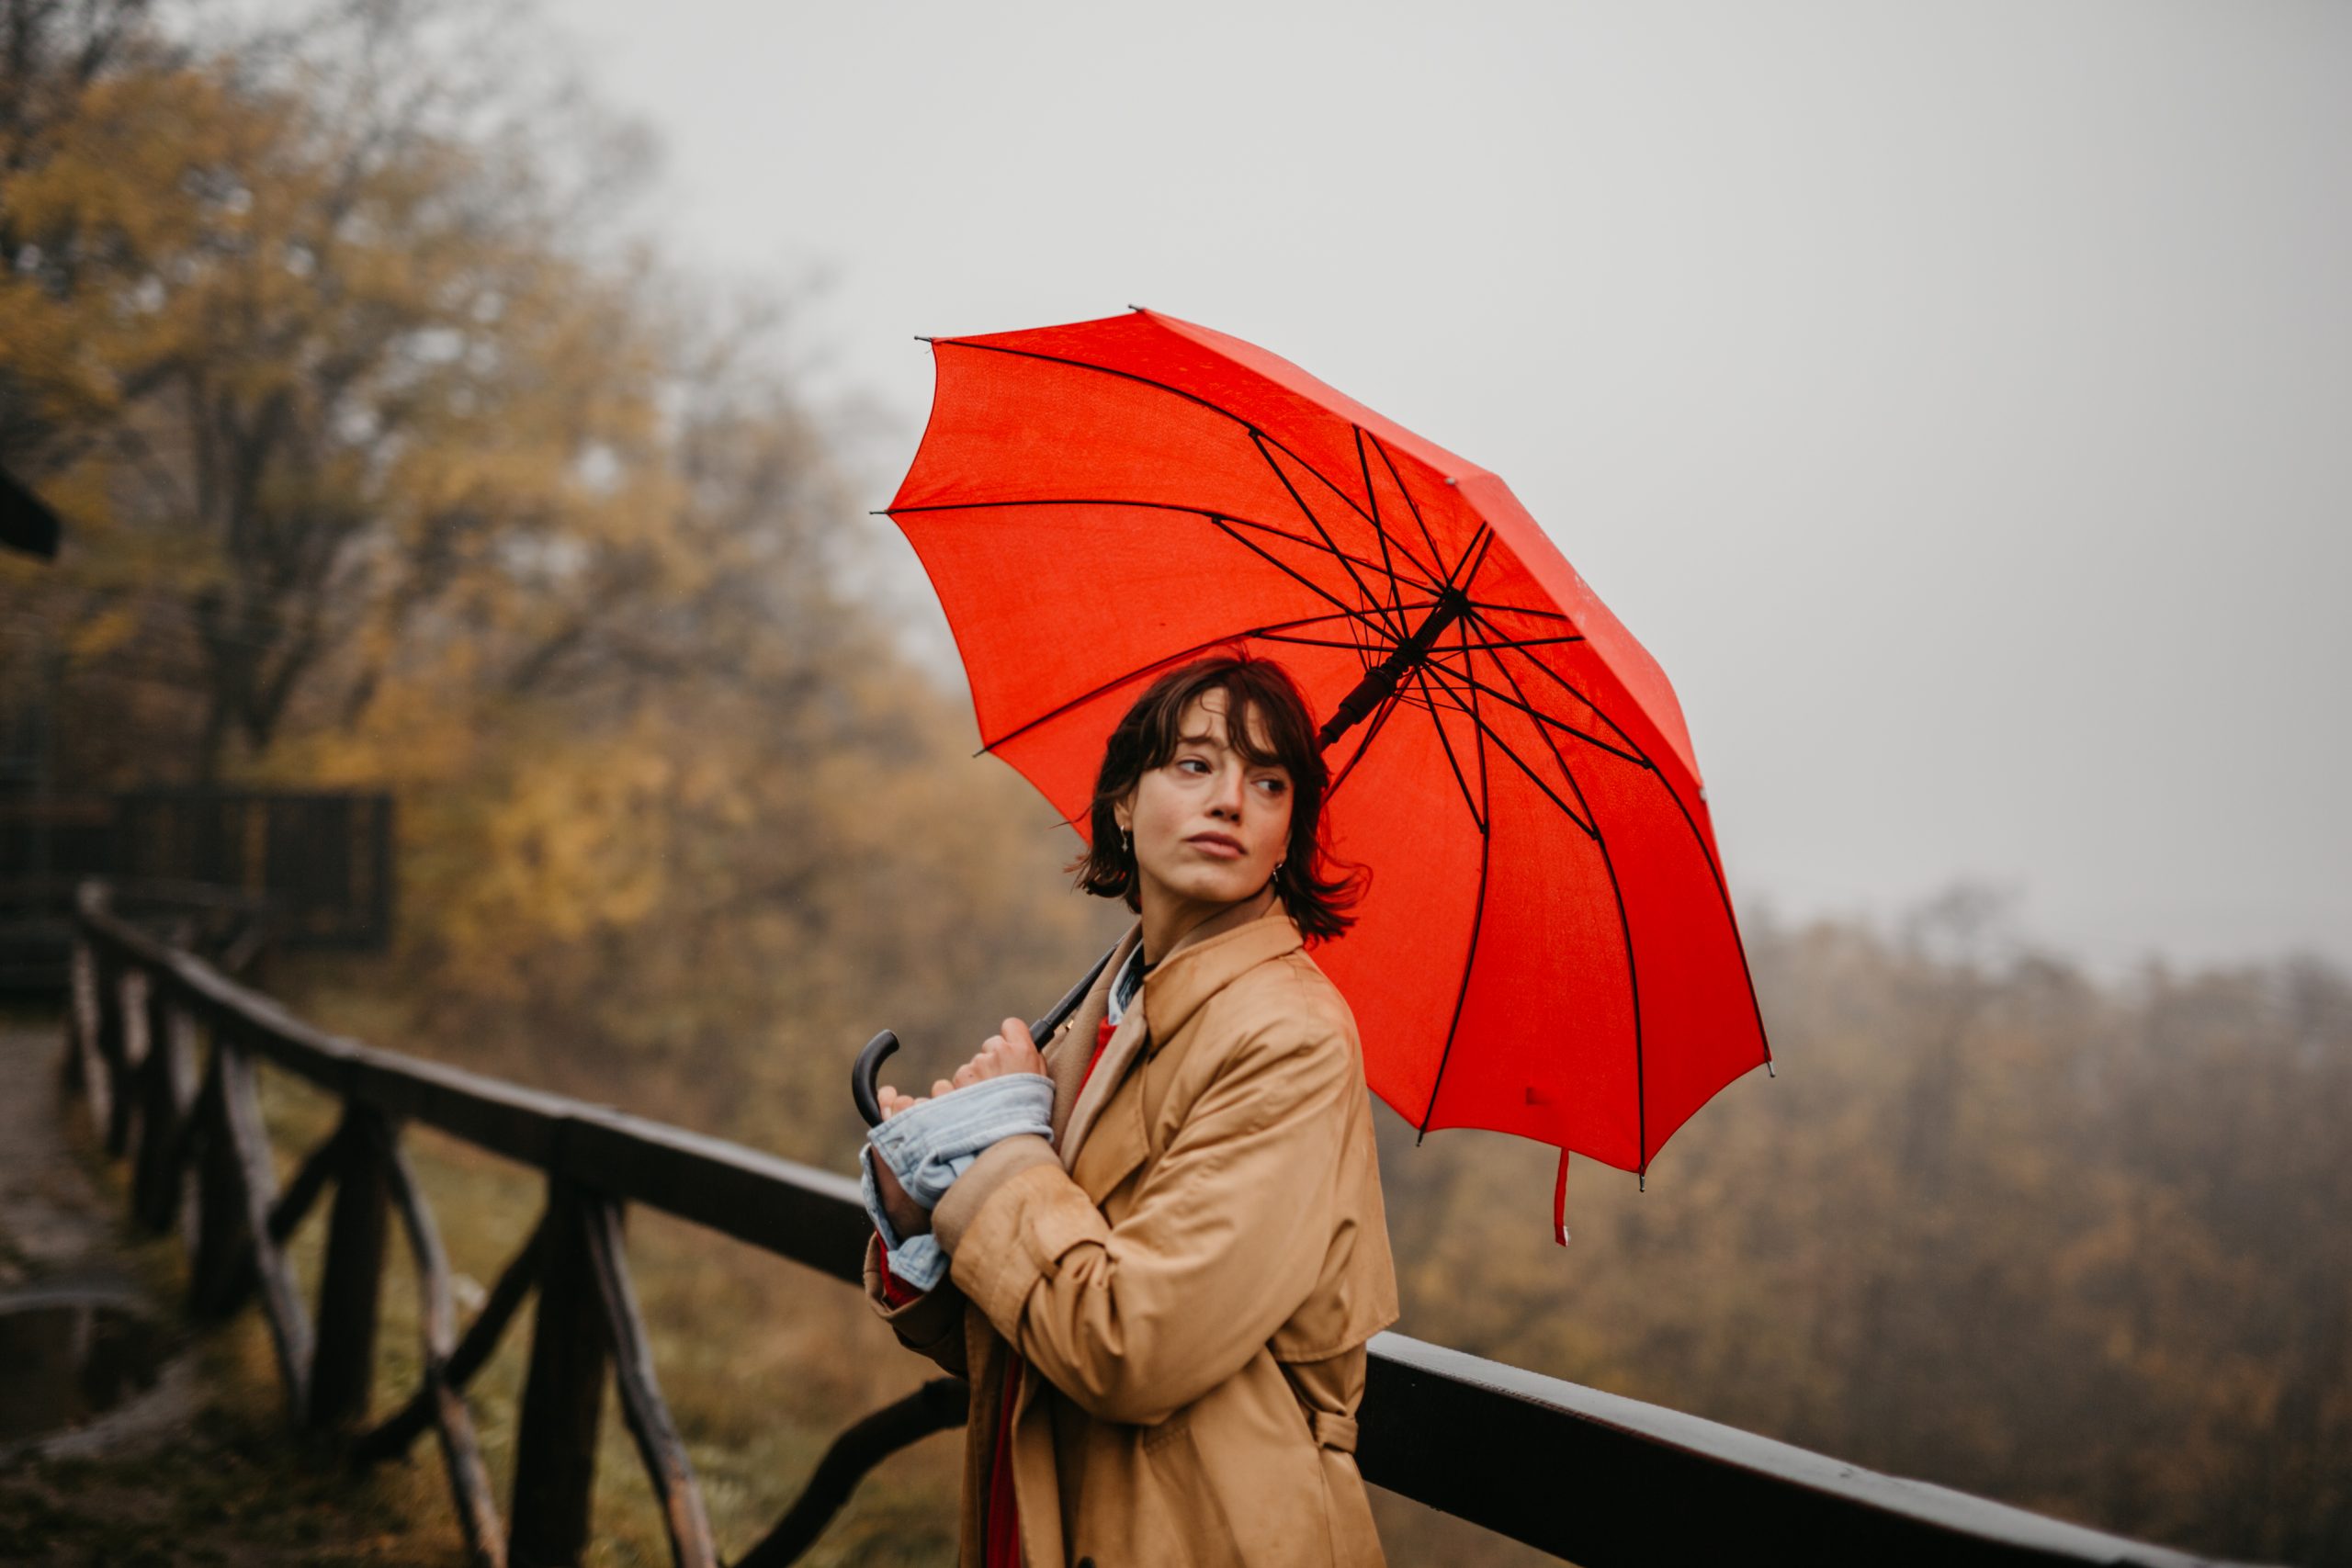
{"x":1600,"y":1480}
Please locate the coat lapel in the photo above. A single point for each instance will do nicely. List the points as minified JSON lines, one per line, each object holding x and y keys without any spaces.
{"x":1125,"y":1041}
{"x":1073,"y":1045}
{"x":1197,"y":970}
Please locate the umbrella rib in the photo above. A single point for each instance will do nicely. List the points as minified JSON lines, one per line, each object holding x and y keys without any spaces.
{"x":1425,"y":586}
{"x":1557,"y":679}
{"x":1706,"y":853}
{"x":1517,"y":610}
{"x":1511,"y":642}
{"x":1411,"y":505}
{"x":1207,"y":513}
{"x":1477,"y":911}
{"x":1308,"y":583}
{"x":1624,"y":932}
{"x":1488,"y":732}
{"x":1436,"y":554}
{"x":1540,"y":716}
{"x":1379,"y":530}
{"x":1363,"y":590}
{"x":1462,"y":783}
{"x":1318,"y":642}
{"x":1088,"y":697}
{"x":1469,"y":565}
{"x":1194,"y":398}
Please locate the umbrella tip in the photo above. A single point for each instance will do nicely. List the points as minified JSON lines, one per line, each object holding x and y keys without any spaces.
{"x":1135,"y":307}
{"x":921,"y":338}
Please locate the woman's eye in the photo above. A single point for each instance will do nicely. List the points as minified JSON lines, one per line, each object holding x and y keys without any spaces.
{"x":1273,"y":786}
{"x":1193,"y":762}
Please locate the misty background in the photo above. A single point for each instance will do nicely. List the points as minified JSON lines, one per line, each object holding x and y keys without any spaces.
{"x":1956,"y":398}
{"x":476,"y":406}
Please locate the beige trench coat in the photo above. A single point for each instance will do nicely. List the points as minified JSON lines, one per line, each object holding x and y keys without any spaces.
{"x":1191,"y":1269}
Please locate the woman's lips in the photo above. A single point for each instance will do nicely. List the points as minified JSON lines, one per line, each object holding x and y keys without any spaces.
{"x":1215,"y":844}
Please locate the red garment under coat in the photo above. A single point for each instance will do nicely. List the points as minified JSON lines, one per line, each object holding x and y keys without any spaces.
{"x":1004,"y":1546}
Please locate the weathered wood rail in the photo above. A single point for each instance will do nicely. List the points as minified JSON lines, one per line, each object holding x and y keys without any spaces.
{"x":1587,"y":1476}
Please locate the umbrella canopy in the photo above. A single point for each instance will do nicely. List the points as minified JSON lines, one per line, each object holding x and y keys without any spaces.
{"x":1547,"y":947}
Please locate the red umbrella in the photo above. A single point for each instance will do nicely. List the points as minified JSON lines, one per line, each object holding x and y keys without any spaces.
{"x":1547,"y":947}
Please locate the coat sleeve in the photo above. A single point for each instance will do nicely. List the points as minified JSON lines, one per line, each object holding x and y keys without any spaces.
{"x":930,"y":1324}
{"x":1225,"y":1239}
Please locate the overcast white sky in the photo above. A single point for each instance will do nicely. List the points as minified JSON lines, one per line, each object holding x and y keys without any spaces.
{"x":1956,"y":398}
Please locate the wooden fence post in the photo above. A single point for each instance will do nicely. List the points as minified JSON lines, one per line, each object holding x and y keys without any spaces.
{"x":343,"y":1368}
{"x":114,"y":1052}
{"x":563,"y":1395}
{"x":85,"y":1074}
{"x":155,"y":1172}
{"x":221,"y":1258}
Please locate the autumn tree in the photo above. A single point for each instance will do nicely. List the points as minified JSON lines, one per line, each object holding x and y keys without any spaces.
{"x":294,"y":340}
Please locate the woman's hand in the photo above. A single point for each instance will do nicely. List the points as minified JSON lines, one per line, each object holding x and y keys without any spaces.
{"x":1010,"y":1050}
{"x":907,"y":1216}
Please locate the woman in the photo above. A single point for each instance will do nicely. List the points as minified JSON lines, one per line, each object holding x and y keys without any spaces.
{"x":1162,"y":1308}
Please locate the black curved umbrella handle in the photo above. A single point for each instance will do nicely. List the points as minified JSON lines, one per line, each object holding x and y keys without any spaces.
{"x":861,"y":1075}
{"x":877,"y":1050}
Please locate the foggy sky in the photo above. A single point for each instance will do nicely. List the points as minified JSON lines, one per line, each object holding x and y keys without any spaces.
{"x":1955,"y":397}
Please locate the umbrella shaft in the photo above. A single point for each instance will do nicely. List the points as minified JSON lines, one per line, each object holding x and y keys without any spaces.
{"x":1382,"y":678}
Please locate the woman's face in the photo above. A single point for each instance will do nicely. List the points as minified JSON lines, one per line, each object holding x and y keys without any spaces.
{"x":1209,"y":825}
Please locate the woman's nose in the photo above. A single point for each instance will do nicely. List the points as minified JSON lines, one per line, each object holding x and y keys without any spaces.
{"x":1226,"y":797}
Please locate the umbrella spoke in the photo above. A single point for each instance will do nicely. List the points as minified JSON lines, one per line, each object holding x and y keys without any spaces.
{"x":1206,"y":513}
{"x":1315,"y":523}
{"x":1450,"y":760}
{"x":1199,"y":401}
{"x":1372,"y":500}
{"x":1578,"y":813}
{"x":1477,"y":914}
{"x":1517,"y":610}
{"x":1342,"y":556}
{"x":1473,"y":556}
{"x":1523,"y":705}
{"x":1515,"y":642}
{"x":1542,"y":734}
{"x":1118,"y":681}
{"x":1562,"y":682}
{"x":1411,"y":505}
{"x":1706,"y":852}
{"x":1624,"y":928}
{"x":1289,"y":570}
{"x":1257,"y":436}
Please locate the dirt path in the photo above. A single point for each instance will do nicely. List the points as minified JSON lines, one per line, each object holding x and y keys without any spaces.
{"x":53,"y":1221}
{"x":201,"y":1469}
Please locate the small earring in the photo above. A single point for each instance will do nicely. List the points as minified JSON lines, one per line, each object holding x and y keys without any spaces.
{"x":1278,"y":869}
{"x":1126,"y":843}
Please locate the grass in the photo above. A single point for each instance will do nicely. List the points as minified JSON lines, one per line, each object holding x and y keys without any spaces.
{"x":763,"y":1363}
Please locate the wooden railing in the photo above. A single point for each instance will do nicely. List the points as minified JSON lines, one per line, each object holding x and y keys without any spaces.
{"x":1587,"y":1476}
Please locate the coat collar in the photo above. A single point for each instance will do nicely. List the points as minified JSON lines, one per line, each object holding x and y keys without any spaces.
{"x":1171,"y":994}
{"x":1066,"y":1063}
{"x":1174,"y":990}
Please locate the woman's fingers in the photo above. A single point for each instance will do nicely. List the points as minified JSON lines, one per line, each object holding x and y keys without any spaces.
{"x":1020,"y":1054}
{"x":1009,"y":1051}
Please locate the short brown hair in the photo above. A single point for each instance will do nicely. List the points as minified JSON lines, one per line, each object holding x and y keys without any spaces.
{"x":1315,"y":890}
